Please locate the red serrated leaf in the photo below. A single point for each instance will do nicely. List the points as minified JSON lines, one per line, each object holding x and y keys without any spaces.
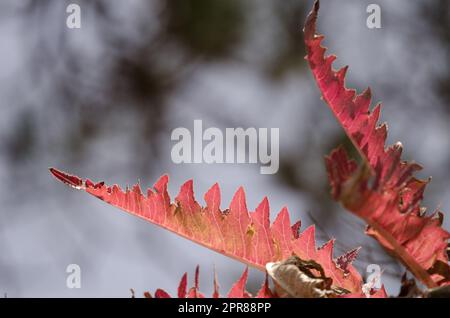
{"x":265,"y":291}
{"x":391,"y":203}
{"x":147,"y":295}
{"x":346,"y":259}
{"x":216,"y":286}
{"x":246,"y":237}
{"x":238,"y":289}
{"x":296,"y":229}
{"x":161,"y":294}
{"x":194,"y":291}
{"x":182,"y":286}
{"x":305,"y":248}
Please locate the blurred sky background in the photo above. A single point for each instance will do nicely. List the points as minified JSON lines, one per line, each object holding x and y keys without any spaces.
{"x":101,"y":102}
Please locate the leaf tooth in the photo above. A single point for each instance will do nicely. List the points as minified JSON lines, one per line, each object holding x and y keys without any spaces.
{"x":345,"y":260}
{"x":213,"y":198}
{"x":340,"y":74}
{"x":264,"y":291}
{"x":376,"y":145}
{"x":362,"y":101}
{"x":161,"y":185}
{"x":327,"y":246}
{"x":262,"y":242}
{"x":161,"y":189}
{"x":412,"y":195}
{"x":116,"y":196}
{"x":194,"y":291}
{"x":137,"y":189}
{"x":238,"y":205}
{"x":310,"y":25}
{"x":160,"y":293}
{"x":197,"y":275}
{"x":332,"y":92}
{"x":390,"y":165}
{"x":132,"y":202}
{"x":375,"y":113}
{"x":216,"y":285}
{"x":325,"y":254}
{"x":262,"y":213}
{"x":186,"y":197}
{"x":324,"y":70}
{"x":99,"y":185}
{"x":408,"y":168}
{"x":238,"y":288}
{"x":439,"y":217}
{"x":88,"y":183}
{"x":296,"y":229}
{"x":182,"y":286}
{"x":70,"y":180}
{"x":282,"y":233}
{"x":239,"y":219}
{"x":147,"y":295}
{"x":305,"y":245}
{"x":369,"y":130}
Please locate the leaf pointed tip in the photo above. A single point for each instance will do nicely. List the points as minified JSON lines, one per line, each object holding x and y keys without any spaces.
{"x":161,"y":184}
{"x":238,"y":202}
{"x":182,"y":286}
{"x":240,"y":190}
{"x":213,"y":190}
{"x":264,"y":205}
{"x":238,"y":289}
{"x":310,"y":25}
{"x":187,"y":187}
{"x":70,"y":180}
